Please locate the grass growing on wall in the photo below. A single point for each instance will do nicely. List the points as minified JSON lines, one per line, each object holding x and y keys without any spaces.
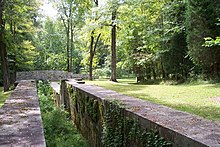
{"x":196,"y":98}
{"x":59,"y":131}
{"x":3,"y":96}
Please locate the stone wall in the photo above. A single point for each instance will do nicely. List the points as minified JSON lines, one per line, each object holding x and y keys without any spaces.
{"x":52,"y":75}
{"x":20,"y":118}
{"x":107,"y":118}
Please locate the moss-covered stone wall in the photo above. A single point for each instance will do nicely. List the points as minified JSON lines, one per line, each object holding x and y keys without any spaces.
{"x":109,"y":119}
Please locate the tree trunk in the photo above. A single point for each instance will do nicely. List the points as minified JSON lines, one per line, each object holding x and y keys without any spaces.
{"x":92,"y":50}
{"x":154,"y":71}
{"x":92,"y":53}
{"x":113,"y":48}
{"x":4,"y":61}
{"x":68,"y":46}
{"x":71,"y":45}
{"x":91,"y":56}
{"x":162,"y":69}
{"x":13,"y":78}
{"x":13,"y":57}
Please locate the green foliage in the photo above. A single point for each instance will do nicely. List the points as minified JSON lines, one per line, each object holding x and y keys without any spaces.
{"x":149,"y":138}
{"x":3,"y":96}
{"x":46,"y":99}
{"x":120,"y":131}
{"x":50,"y":42}
{"x":20,"y":27}
{"x":201,"y":22}
{"x":58,"y":129}
{"x":154,"y":140}
{"x":102,"y":72}
{"x":91,"y":109}
{"x":209,"y":42}
{"x":174,"y":51}
{"x":155,"y":39}
{"x":113,"y":127}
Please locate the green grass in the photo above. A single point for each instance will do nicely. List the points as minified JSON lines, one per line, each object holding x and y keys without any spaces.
{"x":3,"y":96}
{"x":195,"y":98}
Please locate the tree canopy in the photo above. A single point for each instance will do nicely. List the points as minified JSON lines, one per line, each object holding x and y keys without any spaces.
{"x":150,"y":39}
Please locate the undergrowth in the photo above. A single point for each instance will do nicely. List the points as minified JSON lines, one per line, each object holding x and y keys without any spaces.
{"x":59,"y":131}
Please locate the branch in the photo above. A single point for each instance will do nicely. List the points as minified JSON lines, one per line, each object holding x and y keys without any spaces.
{"x":70,"y":9}
{"x":96,"y":2}
{"x":97,"y":39}
{"x":64,"y":23}
{"x":64,"y":10}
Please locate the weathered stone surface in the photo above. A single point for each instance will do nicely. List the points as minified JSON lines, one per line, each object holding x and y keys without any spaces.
{"x":56,"y":92}
{"x":52,"y":75}
{"x":181,"y":128}
{"x":55,"y":86}
{"x":20,"y":118}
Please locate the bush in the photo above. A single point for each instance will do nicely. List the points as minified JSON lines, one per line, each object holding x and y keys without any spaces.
{"x":102,"y":72}
{"x":59,"y":131}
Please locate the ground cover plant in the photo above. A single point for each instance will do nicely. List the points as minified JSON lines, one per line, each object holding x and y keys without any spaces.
{"x":200,"y":98}
{"x":59,"y":131}
{"x":3,"y":96}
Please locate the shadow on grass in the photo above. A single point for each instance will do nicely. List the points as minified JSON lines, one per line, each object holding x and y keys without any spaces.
{"x":211,"y":112}
{"x":147,"y":82}
{"x":207,"y":112}
{"x":137,"y":90}
{"x":215,"y":85}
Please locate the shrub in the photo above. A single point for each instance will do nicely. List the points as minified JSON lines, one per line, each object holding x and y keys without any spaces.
{"x":59,"y":131}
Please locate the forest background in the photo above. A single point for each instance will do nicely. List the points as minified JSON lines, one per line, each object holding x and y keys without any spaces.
{"x":153,"y":40}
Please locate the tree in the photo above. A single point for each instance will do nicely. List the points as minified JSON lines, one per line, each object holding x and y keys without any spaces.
{"x":114,"y":7}
{"x":66,"y":17}
{"x":71,"y":13}
{"x":201,"y":19}
{"x":49,"y":42}
{"x":140,"y":38}
{"x":4,"y":61}
{"x":93,"y":47}
{"x":16,"y":25}
{"x":174,"y":51}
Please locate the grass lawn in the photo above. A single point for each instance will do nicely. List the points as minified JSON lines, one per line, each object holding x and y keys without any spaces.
{"x":3,"y":96}
{"x":195,"y":98}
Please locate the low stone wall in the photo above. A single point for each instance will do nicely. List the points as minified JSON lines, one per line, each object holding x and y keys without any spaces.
{"x":20,"y":118}
{"x":107,"y":118}
{"x":52,"y":75}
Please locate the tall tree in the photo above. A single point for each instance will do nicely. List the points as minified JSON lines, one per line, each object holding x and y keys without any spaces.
{"x":4,"y":61}
{"x":174,"y":49}
{"x":71,"y":12}
{"x":201,"y":19}
{"x":93,"y":46}
{"x":114,"y":7}
{"x":17,"y":31}
{"x":66,"y":17}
